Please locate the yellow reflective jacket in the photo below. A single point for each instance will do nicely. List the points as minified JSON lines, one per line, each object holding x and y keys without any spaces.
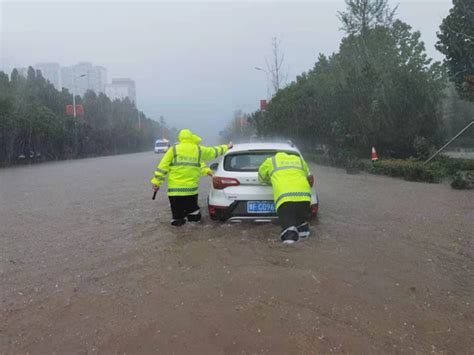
{"x":288,"y":175}
{"x":183,"y":164}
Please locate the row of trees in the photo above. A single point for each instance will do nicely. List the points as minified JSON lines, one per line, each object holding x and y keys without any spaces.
{"x":380,"y":89}
{"x":33,"y":122}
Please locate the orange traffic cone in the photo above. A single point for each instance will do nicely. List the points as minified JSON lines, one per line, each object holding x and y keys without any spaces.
{"x":373,"y":156}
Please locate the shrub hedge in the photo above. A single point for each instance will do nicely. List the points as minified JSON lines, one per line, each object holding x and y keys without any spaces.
{"x":410,"y":169}
{"x":460,"y":170}
{"x":463,"y":180}
{"x":453,"y":165}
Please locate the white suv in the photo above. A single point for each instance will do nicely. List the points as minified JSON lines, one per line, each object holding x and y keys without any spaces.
{"x":236,"y":193}
{"x":162,"y":146}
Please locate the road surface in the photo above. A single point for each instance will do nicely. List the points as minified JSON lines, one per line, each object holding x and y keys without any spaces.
{"x":90,"y":264}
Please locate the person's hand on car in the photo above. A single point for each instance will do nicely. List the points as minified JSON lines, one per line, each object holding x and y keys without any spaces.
{"x":230,"y":145}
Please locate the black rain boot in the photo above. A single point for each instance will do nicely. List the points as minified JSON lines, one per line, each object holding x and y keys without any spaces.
{"x":178,"y":222}
{"x":195,"y":216}
{"x":289,"y":235}
{"x":303,"y":230}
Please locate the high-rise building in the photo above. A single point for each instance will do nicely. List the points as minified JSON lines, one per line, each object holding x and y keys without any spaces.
{"x":84,"y":76}
{"x":51,"y":72}
{"x":121,"y":88}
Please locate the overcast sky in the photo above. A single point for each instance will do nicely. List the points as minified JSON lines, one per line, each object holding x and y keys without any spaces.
{"x":193,"y":62}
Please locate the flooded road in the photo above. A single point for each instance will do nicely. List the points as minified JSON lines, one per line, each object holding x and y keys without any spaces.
{"x":90,"y":264}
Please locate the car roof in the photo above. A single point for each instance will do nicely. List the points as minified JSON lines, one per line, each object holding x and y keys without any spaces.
{"x":243,"y":147}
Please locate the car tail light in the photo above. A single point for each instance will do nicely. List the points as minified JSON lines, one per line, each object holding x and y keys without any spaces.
{"x":220,"y":183}
{"x":212,"y":210}
{"x":314,"y":210}
{"x":311,"y":180}
{"x":215,"y":210}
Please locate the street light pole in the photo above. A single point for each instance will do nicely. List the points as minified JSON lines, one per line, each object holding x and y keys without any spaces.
{"x":139,"y":120}
{"x":74,"y":108}
{"x":74,"y":102}
{"x":74,"y":95}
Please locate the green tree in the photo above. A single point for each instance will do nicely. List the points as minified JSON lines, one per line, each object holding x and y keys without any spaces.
{"x":362,"y":15}
{"x":456,"y":42}
{"x":379,"y":90}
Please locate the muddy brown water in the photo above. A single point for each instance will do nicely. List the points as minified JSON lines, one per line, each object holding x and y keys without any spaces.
{"x":90,"y":264}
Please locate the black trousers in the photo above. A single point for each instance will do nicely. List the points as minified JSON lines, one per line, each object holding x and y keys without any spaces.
{"x":184,"y":207}
{"x":294,"y":217}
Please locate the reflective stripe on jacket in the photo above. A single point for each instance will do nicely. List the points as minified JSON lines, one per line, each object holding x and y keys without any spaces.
{"x":183,"y":165}
{"x":288,"y":175}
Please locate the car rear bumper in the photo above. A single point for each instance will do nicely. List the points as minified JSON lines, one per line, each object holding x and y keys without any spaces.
{"x":237,"y":212}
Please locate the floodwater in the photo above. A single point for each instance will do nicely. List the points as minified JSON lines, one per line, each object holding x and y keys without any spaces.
{"x":90,"y":264}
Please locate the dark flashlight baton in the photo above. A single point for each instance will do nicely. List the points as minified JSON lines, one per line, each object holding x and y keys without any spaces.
{"x":154,"y":195}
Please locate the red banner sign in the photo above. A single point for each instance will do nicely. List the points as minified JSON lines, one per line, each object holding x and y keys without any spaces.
{"x":79,"y":110}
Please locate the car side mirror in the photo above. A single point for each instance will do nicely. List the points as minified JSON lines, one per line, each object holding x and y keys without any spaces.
{"x":214,"y":166}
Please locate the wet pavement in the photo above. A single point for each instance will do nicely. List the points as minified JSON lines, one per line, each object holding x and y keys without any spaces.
{"x":90,"y":264}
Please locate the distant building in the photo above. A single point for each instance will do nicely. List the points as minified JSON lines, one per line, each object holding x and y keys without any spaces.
{"x":84,"y":76}
{"x":121,"y":88}
{"x":51,"y":72}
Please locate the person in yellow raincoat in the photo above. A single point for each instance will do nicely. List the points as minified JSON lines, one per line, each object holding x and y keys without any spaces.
{"x":288,"y":175}
{"x":183,"y":165}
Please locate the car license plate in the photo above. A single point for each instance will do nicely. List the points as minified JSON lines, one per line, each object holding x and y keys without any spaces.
{"x":260,"y":207}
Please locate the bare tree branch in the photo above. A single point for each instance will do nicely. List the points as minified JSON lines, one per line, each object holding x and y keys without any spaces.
{"x":274,"y":67}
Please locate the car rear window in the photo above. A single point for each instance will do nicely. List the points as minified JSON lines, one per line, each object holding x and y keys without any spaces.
{"x":248,"y":161}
